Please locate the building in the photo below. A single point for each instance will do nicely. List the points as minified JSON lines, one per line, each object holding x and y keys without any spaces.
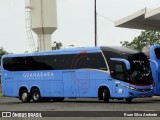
{"x":144,"y":19}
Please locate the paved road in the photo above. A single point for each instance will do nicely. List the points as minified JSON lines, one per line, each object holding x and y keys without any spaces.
{"x":148,"y":104}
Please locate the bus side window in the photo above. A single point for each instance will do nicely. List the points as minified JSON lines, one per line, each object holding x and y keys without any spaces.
{"x":119,"y":68}
{"x":91,"y":61}
{"x":119,"y":72}
{"x":81,"y":62}
{"x":97,"y":61}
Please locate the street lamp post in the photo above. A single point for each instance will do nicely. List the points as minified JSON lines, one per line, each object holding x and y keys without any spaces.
{"x":95,"y":14}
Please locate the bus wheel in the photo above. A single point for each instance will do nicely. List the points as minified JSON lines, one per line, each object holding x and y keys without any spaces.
{"x":106,"y":95}
{"x":128,"y":100}
{"x":57,"y":99}
{"x":25,"y":96}
{"x":36,"y":95}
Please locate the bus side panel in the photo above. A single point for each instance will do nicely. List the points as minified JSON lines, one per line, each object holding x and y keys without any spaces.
{"x":89,"y":82}
{"x":156,"y":77}
{"x":6,"y":87}
{"x":158,"y":84}
{"x":9,"y":85}
{"x":70,"y":84}
{"x":99,"y":78}
{"x":86,"y":85}
{"x":15,"y":89}
{"x":56,"y":88}
{"x":119,"y":89}
{"x":157,"y":81}
{"x":104,"y":83}
{"x":56,"y":84}
{"x":155,"y":67}
{"x":46,"y":89}
{"x":31,"y":79}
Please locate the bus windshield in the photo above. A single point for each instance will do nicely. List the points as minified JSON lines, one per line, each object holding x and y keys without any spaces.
{"x":140,"y":73}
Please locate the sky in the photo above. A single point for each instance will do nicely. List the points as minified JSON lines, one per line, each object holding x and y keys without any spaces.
{"x":75,"y":23}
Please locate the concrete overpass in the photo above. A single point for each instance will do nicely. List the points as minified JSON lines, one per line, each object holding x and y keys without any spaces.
{"x":145,"y":19}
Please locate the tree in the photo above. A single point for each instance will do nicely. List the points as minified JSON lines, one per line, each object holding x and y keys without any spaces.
{"x":56,"y":45}
{"x":144,"y":39}
{"x":2,"y":51}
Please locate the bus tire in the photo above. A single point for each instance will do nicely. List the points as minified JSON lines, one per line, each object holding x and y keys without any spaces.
{"x":36,"y":95}
{"x":25,"y":97}
{"x":128,"y":100}
{"x":57,"y":99}
{"x":106,"y":95}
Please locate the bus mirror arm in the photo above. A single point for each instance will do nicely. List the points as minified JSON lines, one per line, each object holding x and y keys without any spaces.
{"x":126,"y":62}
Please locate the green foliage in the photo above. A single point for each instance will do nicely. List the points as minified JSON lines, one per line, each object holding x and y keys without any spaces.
{"x":144,"y":39}
{"x":2,"y":51}
{"x":57,"y":45}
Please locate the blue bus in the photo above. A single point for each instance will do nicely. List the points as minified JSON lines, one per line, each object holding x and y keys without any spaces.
{"x":153,"y":53}
{"x":90,"y":72}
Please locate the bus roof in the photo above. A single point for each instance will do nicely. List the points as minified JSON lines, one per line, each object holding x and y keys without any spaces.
{"x":59,"y":51}
{"x":118,"y":49}
{"x":77,"y":50}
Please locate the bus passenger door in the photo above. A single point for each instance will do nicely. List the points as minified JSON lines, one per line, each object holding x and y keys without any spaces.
{"x":119,"y":76}
{"x":83,"y":81}
{"x":69,"y":84}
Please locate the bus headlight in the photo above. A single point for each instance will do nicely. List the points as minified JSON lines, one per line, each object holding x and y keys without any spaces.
{"x":132,"y":88}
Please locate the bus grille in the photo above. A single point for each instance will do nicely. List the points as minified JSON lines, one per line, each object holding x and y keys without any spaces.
{"x":143,"y":90}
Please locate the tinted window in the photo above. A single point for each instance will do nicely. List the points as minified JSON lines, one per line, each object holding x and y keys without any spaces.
{"x":157,"y":52}
{"x":55,"y":62}
{"x":91,"y":60}
{"x":140,"y":72}
{"x":119,"y":72}
{"x":119,"y":68}
{"x":49,"y":62}
{"x":110,"y":54}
